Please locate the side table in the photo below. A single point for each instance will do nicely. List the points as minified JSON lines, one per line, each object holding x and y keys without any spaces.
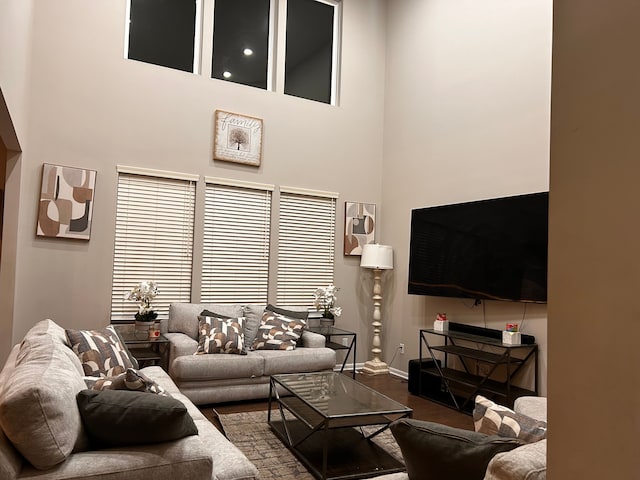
{"x":147,"y":351}
{"x":330,"y":332}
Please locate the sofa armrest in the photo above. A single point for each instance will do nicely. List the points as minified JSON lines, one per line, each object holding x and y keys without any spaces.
{"x":180,"y":344}
{"x":528,"y":462}
{"x":312,"y":339}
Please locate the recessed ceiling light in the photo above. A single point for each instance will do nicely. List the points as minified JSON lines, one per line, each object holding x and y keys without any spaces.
{"x":247,"y":51}
{"x":226,"y":74}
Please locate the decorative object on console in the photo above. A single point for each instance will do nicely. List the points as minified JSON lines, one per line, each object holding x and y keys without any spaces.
{"x":378,"y":258}
{"x":511,"y":335}
{"x":325,"y":301}
{"x":359,"y":226}
{"x":237,"y":138}
{"x":66,"y":202}
{"x":440,"y":323}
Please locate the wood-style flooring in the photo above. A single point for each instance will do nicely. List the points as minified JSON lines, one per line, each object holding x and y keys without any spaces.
{"x":389,"y":385}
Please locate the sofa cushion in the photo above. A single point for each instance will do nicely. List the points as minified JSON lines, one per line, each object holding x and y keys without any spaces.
{"x":38,"y":411}
{"x":220,"y":335}
{"x":299,"y":360}
{"x":432,"y":451}
{"x":122,"y":417}
{"x":528,"y":462}
{"x":183,"y":317}
{"x":101,"y":352}
{"x":129,"y":380}
{"x":197,"y":368}
{"x":494,"y":419}
{"x":278,"y":332}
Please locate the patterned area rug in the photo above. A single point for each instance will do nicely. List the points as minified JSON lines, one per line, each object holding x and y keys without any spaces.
{"x":250,"y":432}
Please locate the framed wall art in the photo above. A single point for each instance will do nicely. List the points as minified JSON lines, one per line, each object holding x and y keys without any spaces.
{"x":359,"y":226}
{"x":237,"y":138}
{"x":66,"y":202}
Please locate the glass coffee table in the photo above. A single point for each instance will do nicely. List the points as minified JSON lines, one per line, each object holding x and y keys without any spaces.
{"x":320,"y":418}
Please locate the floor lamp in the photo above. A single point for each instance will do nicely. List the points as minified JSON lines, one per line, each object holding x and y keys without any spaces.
{"x":378,"y":258}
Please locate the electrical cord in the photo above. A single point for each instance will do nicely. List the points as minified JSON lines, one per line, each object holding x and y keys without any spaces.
{"x":394,"y":355}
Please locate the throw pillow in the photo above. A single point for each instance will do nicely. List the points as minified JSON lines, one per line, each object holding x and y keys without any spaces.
{"x":101,"y":352}
{"x":114,"y":418}
{"x":129,"y":380}
{"x":278,"y":332}
{"x":303,"y":315}
{"x":432,"y":451}
{"x":220,"y":335}
{"x":494,"y":419}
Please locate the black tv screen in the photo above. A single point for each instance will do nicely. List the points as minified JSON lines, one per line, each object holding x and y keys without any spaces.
{"x":490,"y":249}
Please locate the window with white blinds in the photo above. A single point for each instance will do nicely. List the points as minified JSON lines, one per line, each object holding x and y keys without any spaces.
{"x":153,"y":239}
{"x":235,"y":257}
{"x":306,"y":246}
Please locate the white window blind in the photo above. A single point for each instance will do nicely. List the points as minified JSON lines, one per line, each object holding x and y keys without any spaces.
{"x":235,"y":258}
{"x":153,"y":241}
{"x":306,"y":246}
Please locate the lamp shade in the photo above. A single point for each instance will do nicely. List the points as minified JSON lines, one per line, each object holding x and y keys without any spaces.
{"x":377,"y":256}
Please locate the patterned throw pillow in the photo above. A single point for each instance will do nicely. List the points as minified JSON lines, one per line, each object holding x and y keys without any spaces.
{"x":129,"y":380}
{"x":494,"y":419}
{"x":278,"y":332}
{"x":101,"y":352}
{"x":220,"y":335}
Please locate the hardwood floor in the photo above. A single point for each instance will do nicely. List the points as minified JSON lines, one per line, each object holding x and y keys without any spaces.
{"x":389,"y":385}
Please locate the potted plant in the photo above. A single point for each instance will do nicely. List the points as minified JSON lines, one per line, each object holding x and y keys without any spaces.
{"x":325,"y":301}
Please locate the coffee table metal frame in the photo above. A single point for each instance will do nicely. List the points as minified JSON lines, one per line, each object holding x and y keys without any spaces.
{"x":311,"y":399}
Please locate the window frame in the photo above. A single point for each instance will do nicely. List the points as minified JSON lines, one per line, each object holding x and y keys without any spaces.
{"x":130,"y":233}
{"x":304,"y":294}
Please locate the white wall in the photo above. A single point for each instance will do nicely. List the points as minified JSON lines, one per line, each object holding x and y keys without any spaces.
{"x":88,"y":107}
{"x":467,"y":102}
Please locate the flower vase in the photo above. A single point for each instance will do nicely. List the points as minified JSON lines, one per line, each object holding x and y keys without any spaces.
{"x":142,"y":329}
{"x":327,"y":321}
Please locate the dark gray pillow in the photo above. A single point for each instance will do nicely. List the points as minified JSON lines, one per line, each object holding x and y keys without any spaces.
{"x":209,"y":313}
{"x":432,"y":451}
{"x":114,"y":418}
{"x":303,"y":315}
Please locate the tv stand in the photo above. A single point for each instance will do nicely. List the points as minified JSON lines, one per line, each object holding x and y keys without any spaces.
{"x":458,"y":388}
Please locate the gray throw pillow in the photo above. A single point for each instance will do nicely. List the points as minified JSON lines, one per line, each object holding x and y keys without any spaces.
{"x":114,"y":418}
{"x":432,"y":451}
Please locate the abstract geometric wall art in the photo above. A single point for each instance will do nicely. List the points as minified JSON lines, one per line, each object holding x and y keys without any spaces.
{"x":66,"y":202}
{"x":359,"y":226}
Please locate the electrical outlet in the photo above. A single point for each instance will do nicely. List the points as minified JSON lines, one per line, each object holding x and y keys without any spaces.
{"x":345,"y":342}
{"x":401,"y":347}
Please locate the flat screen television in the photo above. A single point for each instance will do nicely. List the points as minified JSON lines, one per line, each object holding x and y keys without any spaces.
{"x":490,"y":249}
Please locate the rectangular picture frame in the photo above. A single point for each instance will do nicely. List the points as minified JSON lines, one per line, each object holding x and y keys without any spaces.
{"x":359,"y":226}
{"x":65,"y":209}
{"x":237,"y":138}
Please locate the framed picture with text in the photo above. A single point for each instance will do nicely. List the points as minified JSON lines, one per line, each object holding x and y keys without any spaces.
{"x":237,"y":138}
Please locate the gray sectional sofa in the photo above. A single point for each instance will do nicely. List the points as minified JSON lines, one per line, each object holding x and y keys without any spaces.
{"x":207,"y":379}
{"x":43,"y":437}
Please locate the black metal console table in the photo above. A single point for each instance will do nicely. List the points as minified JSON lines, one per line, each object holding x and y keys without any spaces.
{"x":459,"y":387}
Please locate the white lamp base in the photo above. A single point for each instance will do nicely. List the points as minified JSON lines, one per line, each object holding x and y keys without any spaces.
{"x":371,"y":367}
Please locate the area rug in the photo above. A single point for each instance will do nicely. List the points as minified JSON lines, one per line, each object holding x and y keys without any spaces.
{"x":251,"y":433}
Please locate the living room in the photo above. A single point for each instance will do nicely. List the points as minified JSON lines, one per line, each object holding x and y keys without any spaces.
{"x":453,"y":105}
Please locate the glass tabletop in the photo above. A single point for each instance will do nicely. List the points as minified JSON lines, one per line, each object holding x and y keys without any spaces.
{"x":329,"y":330}
{"x":335,"y":395}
